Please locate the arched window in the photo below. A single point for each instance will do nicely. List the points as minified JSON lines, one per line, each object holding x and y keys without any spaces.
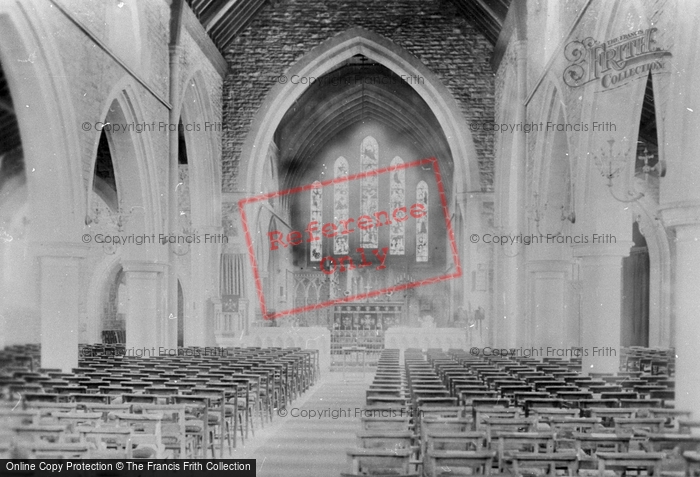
{"x":341,"y":209}
{"x":316,"y":249}
{"x":398,"y":200}
{"x":422,"y":223}
{"x":369,"y":158}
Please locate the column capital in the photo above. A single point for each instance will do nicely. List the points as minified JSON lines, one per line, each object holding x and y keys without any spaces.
{"x":557,"y":266}
{"x":677,"y":214}
{"x":144,"y":266}
{"x":612,"y":250}
{"x":60,"y":249}
{"x":210,"y":229}
{"x":234,"y":197}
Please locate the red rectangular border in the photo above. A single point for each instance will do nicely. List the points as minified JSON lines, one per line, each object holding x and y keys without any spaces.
{"x":251,"y":251}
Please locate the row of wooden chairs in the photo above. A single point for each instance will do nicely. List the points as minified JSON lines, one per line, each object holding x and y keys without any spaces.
{"x":489,"y":433}
{"x":385,"y":441}
{"x":221,"y":393}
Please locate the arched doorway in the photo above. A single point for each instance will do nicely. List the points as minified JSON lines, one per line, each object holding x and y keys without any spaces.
{"x":113,"y":322}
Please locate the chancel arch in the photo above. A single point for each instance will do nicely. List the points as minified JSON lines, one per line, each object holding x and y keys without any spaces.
{"x":447,"y":119}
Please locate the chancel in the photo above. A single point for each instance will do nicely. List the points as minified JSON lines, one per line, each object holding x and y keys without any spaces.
{"x":351,"y":238}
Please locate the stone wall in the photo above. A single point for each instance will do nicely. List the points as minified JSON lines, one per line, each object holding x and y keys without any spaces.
{"x":279,"y":36}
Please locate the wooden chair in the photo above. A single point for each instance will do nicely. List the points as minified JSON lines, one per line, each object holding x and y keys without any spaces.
{"x":508,"y":443}
{"x":386,"y":423}
{"x":196,"y":421}
{"x":461,"y":441}
{"x":636,"y":425}
{"x":494,"y":425}
{"x":379,"y":462}
{"x":441,"y":411}
{"x":673,"y":443}
{"x":73,"y":419}
{"x":625,"y":461}
{"x":479,"y":462}
{"x":379,"y":439}
{"x":692,"y":460}
{"x":145,"y":433}
{"x":40,"y":397}
{"x":593,"y":442}
{"x":59,"y":451}
{"x":565,"y":426}
{"x":548,"y":463}
{"x":90,"y":398}
{"x":18,"y":417}
{"x":140,"y":398}
{"x":106,"y":439}
{"x":672,"y":416}
{"x":173,"y":429}
{"x":480,"y":414}
{"x":607,"y":415}
{"x":544,"y":414}
{"x":39,"y":433}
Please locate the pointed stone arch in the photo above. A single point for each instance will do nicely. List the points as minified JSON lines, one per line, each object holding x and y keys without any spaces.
{"x":324,"y":58}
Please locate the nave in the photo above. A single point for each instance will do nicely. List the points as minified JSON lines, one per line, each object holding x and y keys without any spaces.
{"x":428,"y":412}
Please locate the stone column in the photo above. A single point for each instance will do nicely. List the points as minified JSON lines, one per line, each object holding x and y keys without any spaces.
{"x":601,"y":286}
{"x":687,"y":306}
{"x":509,"y":331}
{"x":680,"y":201}
{"x":146,"y":313}
{"x":204,"y":287}
{"x":60,"y":304}
{"x":547,"y":295}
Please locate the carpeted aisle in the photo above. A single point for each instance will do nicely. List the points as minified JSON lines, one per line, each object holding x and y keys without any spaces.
{"x":299,"y":446}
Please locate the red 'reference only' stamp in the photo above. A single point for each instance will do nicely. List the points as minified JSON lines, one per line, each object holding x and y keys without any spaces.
{"x":277,"y":241}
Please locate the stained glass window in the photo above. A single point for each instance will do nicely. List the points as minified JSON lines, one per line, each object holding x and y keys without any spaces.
{"x":397,"y":200}
{"x":369,"y":158}
{"x":316,"y":249}
{"x":422,"y":223}
{"x":341,"y":208}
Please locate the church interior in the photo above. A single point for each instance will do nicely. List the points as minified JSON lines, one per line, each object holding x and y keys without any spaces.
{"x":414,"y":237}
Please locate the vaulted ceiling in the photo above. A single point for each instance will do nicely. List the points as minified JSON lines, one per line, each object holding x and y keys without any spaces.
{"x":224,"y":19}
{"x":356,"y":91}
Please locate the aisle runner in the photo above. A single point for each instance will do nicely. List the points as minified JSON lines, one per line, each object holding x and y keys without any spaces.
{"x":302,"y":444}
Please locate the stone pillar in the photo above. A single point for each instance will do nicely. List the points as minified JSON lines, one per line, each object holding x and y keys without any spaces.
{"x":204,"y":287}
{"x":145,"y":311}
{"x":60,"y":304}
{"x":547,"y":295}
{"x":510,"y":326}
{"x":687,"y":307}
{"x":680,"y":201}
{"x":600,"y":275}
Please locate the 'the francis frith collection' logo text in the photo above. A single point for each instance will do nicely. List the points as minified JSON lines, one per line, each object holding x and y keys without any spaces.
{"x":613,"y":62}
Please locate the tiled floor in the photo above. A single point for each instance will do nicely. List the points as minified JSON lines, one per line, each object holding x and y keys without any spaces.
{"x":298,"y":446}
